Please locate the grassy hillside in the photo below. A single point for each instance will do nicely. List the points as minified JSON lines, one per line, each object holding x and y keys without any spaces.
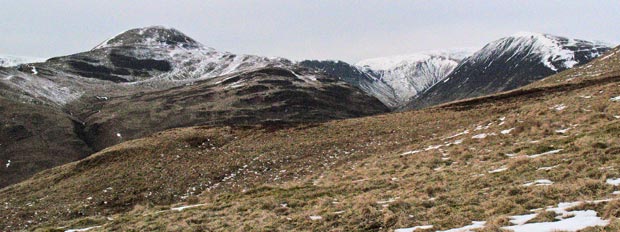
{"x":484,"y":159}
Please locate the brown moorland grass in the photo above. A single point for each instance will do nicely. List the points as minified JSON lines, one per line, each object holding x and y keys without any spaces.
{"x":446,"y":166}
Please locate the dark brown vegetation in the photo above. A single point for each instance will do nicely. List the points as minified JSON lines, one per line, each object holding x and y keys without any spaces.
{"x":36,"y":137}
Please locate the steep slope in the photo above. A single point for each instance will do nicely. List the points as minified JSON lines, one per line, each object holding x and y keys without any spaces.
{"x":8,"y":60}
{"x":33,"y":138}
{"x":509,"y":63}
{"x":143,"y":58}
{"x":394,"y":80}
{"x":411,"y":74}
{"x":150,"y":79}
{"x":273,"y":96}
{"x":508,"y":161}
{"x":357,"y":77}
{"x":156,"y":55}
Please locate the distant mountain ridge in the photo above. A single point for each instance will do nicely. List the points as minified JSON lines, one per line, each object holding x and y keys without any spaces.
{"x":10,"y":60}
{"x":420,"y":80}
{"x":395,"y":79}
{"x":411,"y":74}
{"x":509,"y":63}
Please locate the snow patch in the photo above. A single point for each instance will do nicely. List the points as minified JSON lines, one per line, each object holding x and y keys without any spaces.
{"x":433,"y":147}
{"x":480,"y":127}
{"x":482,"y":136}
{"x":567,"y":221}
{"x":507,"y":131}
{"x":410,"y":152}
{"x":614,"y":182}
{"x":181,"y":208}
{"x":540,"y":182}
{"x":499,"y":170}
{"x":458,"y":134}
{"x":558,"y":107}
{"x":545,"y":153}
{"x":411,"y":229}
{"x":388,"y":201}
{"x":522,"y":219}
{"x":474,"y":225}
{"x":82,"y":229}
{"x":546,"y":168}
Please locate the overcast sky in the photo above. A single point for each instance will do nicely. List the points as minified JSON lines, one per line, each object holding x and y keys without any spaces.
{"x":345,"y":30}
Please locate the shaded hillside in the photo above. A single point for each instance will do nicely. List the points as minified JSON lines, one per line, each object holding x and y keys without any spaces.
{"x":357,"y":77}
{"x":35,"y":137}
{"x":271,"y":96}
{"x":507,"y":160}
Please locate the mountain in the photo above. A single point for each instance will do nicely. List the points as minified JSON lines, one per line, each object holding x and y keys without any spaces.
{"x":357,"y":77}
{"x":150,"y":79}
{"x":509,"y":63}
{"x":156,"y":56}
{"x":143,"y":58}
{"x":8,"y":60}
{"x":544,"y":156}
{"x":395,"y":80}
{"x":429,"y":78}
{"x":265,"y":96}
{"x":409,"y":75}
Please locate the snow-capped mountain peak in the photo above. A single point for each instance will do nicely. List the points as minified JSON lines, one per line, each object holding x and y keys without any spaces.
{"x":509,"y":63}
{"x":153,"y":36}
{"x":186,"y":60}
{"x":411,"y":74}
{"x":555,"y":52}
{"x":391,"y":62}
{"x":152,"y":57}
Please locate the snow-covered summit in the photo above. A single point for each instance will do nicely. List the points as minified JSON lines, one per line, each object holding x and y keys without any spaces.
{"x":509,"y":63}
{"x":391,"y":62}
{"x":150,"y":36}
{"x":149,"y":57}
{"x":555,"y":52}
{"x":408,"y":75}
{"x":9,"y":60}
{"x":187,"y":58}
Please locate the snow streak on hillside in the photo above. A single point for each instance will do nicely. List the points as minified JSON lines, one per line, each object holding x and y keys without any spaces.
{"x":556,"y":53}
{"x":411,"y":74}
